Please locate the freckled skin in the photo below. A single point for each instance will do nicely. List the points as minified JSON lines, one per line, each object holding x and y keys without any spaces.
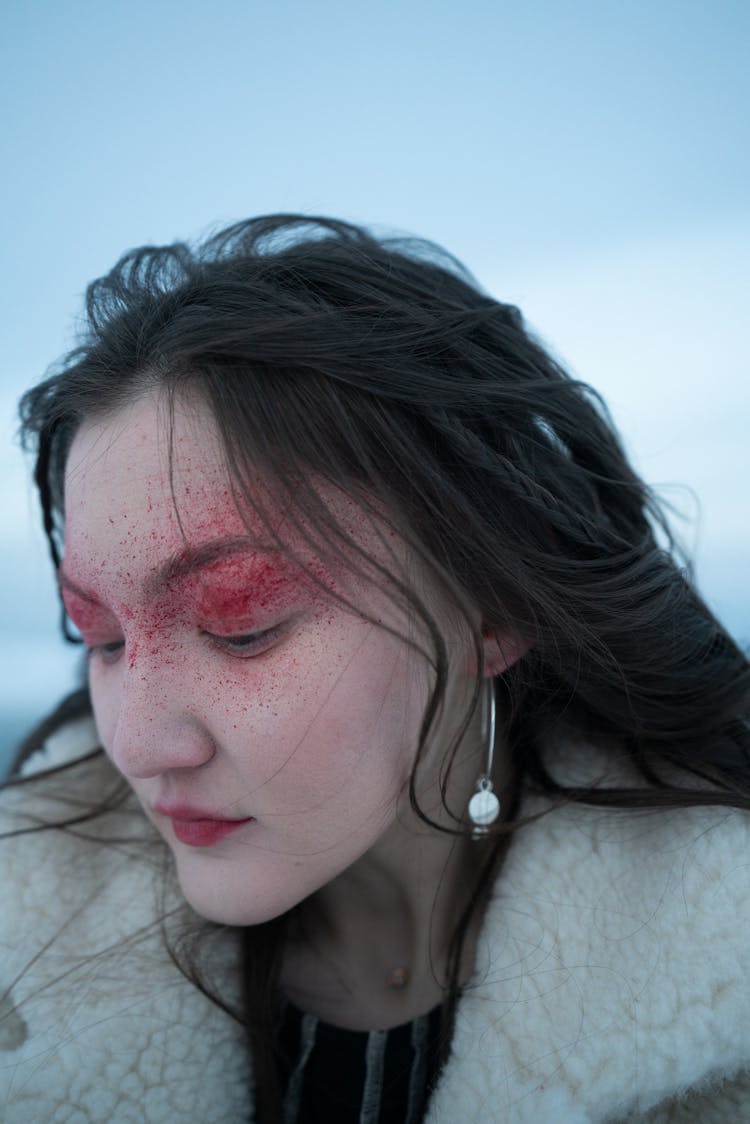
{"x":311,"y":733}
{"x":226,"y":598}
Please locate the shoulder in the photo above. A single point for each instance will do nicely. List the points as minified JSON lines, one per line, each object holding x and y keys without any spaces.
{"x":613,"y":964}
{"x":95,"y":1012}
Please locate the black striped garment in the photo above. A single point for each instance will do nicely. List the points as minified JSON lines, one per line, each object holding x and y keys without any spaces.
{"x":336,"y":1076}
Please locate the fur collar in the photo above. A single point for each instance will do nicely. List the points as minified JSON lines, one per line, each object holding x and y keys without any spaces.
{"x":611,"y":974}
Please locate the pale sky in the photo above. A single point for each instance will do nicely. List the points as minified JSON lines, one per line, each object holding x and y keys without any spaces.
{"x":587,"y":160}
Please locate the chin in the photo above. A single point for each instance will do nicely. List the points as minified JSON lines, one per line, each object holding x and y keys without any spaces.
{"x":231,"y":901}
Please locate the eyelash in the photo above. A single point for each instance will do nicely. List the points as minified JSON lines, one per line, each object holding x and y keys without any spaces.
{"x":247,"y":645}
{"x":244,"y":646}
{"x":107,"y":653}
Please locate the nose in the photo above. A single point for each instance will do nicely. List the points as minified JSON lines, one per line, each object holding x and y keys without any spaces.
{"x":156,"y":725}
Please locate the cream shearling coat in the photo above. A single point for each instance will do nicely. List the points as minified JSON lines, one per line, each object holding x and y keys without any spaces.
{"x":611,"y":984}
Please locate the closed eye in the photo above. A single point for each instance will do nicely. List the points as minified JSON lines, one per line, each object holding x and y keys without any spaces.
{"x":107,"y":653}
{"x":248,"y":644}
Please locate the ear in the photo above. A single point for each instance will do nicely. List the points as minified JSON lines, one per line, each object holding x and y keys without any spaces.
{"x":501,"y":650}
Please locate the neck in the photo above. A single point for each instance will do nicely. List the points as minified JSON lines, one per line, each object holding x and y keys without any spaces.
{"x":397,"y":907}
{"x":410,"y":883}
{"x":395,"y":910}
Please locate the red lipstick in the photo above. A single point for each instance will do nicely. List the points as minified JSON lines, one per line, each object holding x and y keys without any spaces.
{"x":197,"y":828}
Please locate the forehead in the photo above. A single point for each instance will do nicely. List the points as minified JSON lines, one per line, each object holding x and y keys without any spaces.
{"x":147,"y":490}
{"x":147,"y":460}
{"x":147,"y":482}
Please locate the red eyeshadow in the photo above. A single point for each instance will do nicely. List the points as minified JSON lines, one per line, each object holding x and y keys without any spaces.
{"x":238,"y":592}
{"x":87,"y":616}
{"x":235,"y":589}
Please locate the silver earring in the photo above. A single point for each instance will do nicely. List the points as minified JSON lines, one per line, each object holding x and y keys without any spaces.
{"x":484,"y":806}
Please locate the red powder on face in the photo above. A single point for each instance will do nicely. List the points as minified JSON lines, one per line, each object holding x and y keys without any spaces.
{"x":237,"y":593}
{"x":236,"y":588}
{"x":92,"y":620}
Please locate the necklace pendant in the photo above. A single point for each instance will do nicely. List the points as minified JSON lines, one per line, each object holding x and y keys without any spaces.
{"x":397,"y":978}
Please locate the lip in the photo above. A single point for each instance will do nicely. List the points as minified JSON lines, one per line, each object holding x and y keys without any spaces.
{"x":198,"y":828}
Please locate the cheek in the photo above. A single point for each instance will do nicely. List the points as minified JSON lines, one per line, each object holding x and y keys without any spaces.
{"x":344,"y":714}
{"x":336,"y":717}
{"x":105,"y":691}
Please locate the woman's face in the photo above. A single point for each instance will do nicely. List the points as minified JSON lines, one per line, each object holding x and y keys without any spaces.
{"x":267,"y":730}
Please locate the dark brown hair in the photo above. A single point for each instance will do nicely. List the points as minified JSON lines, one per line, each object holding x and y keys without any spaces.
{"x":379,"y":366}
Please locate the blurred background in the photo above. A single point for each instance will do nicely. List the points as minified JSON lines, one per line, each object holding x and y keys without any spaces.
{"x":587,"y":159}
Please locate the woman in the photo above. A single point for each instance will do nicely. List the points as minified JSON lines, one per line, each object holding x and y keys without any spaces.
{"x":447,"y":755}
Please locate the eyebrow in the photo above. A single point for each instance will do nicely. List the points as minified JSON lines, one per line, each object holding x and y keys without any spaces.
{"x":180,"y":565}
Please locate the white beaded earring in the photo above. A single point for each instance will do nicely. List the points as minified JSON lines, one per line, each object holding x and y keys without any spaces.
{"x":484,"y":806}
